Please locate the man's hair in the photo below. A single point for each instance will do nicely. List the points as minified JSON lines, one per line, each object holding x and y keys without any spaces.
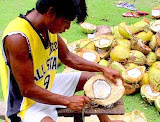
{"x":69,"y":9}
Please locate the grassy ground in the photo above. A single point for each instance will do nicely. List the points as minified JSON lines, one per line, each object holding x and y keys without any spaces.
{"x":100,"y":12}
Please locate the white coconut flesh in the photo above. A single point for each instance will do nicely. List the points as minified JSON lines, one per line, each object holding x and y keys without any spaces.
{"x":149,"y":91}
{"x":134,"y":73}
{"x":139,"y":118}
{"x":101,"y":89}
{"x":104,"y":41}
{"x":90,"y":56}
{"x":88,"y":26}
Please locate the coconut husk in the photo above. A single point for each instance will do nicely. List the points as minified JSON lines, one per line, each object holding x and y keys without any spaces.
{"x":158,"y":53}
{"x":127,"y":117}
{"x":138,"y":44}
{"x":158,"y":38}
{"x":130,"y":88}
{"x":116,"y":91}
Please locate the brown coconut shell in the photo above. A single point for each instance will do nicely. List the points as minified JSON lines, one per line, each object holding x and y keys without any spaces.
{"x":103,"y":30}
{"x":130,"y":88}
{"x":116,"y":91}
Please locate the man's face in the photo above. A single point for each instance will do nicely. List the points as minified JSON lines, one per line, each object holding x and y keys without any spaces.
{"x":57,"y":25}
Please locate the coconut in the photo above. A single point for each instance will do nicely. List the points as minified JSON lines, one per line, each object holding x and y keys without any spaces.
{"x":158,"y":53}
{"x":144,"y":80}
{"x":138,"y":44}
{"x":130,"y":88}
{"x":151,"y":58}
{"x":102,"y":91}
{"x":138,"y":116}
{"x":119,"y":53}
{"x":89,"y":55}
{"x":157,"y":103}
{"x":116,"y":33}
{"x":156,"y":65}
{"x":103,"y":62}
{"x":103,"y":30}
{"x":154,"y":78}
{"x":124,"y":31}
{"x":155,"y":26}
{"x":139,"y":26}
{"x":103,"y":53}
{"x":137,"y":57}
{"x":87,"y":44}
{"x":130,"y":65}
{"x":158,"y":38}
{"x":153,"y":42}
{"x":124,"y":42}
{"x":148,"y":95}
{"x":103,"y":42}
{"x":133,"y":75}
{"x":87,"y":27}
{"x":72,"y":47}
{"x":144,"y":36}
{"x":117,"y":66}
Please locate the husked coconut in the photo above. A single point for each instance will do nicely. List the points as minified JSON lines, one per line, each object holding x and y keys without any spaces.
{"x":102,"y":91}
{"x":103,"y":30}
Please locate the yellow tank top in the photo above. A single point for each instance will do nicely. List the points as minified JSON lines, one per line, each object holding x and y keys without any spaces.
{"x":44,"y":62}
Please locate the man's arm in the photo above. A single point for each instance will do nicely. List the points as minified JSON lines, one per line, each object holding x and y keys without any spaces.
{"x":17,"y":53}
{"x":76,"y":62}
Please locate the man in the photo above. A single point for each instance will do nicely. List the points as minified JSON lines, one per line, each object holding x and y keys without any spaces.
{"x":31,"y":47}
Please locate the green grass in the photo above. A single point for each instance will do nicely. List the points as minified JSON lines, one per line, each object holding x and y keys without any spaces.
{"x":97,"y":11}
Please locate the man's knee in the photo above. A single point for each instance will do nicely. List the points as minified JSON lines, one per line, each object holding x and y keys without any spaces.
{"x":47,"y":119}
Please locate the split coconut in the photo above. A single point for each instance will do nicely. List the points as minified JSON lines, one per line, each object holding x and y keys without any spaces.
{"x":148,"y":95}
{"x":102,"y":91}
{"x":89,"y":55}
{"x":87,"y":27}
{"x":133,"y":75}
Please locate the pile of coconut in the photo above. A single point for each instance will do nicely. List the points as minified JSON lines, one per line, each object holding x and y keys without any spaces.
{"x":133,"y":50}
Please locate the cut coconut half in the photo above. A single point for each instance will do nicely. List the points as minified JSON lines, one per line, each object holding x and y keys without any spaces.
{"x":157,"y":103}
{"x":148,"y":95}
{"x":133,"y":75}
{"x":89,"y":55}
{"x":102,"y":91}
{"x":87,"y":44}
{"x":104,"y":42}
{"x":138,"y":116}
{"x":72,"y":47}
{"x":155,"y":25}
{"x":103,"y":53}
{"x":88,"y":27}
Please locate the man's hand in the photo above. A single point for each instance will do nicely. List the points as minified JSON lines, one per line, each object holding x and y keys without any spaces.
{"x":112,"y":74}
{"x":78,"y":102}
